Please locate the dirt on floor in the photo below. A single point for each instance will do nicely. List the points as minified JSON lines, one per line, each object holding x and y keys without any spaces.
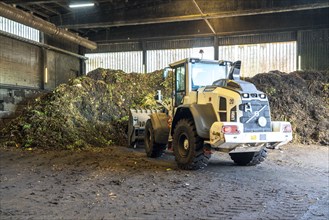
{"x":122,"y":183}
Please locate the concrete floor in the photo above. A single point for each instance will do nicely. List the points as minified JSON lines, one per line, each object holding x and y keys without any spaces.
{"x":121,"y":183}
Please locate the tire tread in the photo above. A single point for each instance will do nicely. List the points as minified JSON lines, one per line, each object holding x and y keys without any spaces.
{"x":249,"y":159}
{"x":156,"y":149}
{"x":201,"y":159}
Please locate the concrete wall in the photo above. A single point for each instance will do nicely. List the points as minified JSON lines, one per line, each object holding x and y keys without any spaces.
{"x":61,"y":68}
{"x":22,"y":75}
{"x":19,"y":63}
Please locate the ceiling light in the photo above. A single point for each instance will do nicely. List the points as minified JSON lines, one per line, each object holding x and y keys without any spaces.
{"x":81,"y":5}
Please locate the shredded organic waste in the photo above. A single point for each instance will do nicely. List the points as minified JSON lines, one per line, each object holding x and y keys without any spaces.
{"x":93,"y":110}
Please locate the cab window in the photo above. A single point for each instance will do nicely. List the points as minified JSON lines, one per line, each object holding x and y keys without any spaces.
{"x":233,"y":85}
{"x":180,"y":84}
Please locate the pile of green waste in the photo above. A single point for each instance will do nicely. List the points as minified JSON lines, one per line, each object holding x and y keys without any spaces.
{"x":301,"y":97}
{"x":88,"y":111}
{"x":93,"y":110}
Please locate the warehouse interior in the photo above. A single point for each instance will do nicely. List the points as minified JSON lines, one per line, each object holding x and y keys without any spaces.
{"x":131,"y":26}
{"x":47,"y":49}
{"x":130,"y":34}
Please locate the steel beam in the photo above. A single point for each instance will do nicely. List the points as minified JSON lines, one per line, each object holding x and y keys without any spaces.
{"x":42,"y":25}
{"x":195,"y":17}
{"x":203,"y":15}
{"x":34,"y":11}
{"x":49,"y":9}
{"x":233,"y":26}
{"x":32,"y":2}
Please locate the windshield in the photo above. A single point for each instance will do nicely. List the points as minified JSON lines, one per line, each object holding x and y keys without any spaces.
{"x":204,"y":74}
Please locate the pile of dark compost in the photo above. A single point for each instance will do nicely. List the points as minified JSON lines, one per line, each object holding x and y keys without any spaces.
{"x":301,"y":97}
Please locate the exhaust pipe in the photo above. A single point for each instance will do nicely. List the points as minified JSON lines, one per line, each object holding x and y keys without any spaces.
{"x":235,"y":71}
{"x":42,"y":25}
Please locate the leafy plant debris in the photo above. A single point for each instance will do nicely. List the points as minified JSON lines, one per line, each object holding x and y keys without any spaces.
{"x":93,"y":110}
{"x":88,"y":111}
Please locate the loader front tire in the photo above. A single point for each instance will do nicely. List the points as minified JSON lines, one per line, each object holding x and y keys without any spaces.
{"x":152,"y":148}
{"x":249,"y":159}
{"x":189,"y":147}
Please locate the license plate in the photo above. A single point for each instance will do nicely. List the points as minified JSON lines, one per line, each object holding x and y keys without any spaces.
{"x":262,"y":137}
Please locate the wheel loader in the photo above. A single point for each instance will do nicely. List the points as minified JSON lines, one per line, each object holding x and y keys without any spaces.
{"x":212,"y":109}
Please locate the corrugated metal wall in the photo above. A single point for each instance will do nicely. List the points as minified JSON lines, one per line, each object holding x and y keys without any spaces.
{"x":19,"y":29}
{"x":180,"y":43}
{"x":133,"y":61}
{"x":258,"y":38}
{"x":153,"y":45}
{"x":159,"y":59}
{"x":126,"y":61}
{"x":259,"y":58}
{"x":258,"y":52}
{"x":256,"y":58}
{"x":313,"y":49}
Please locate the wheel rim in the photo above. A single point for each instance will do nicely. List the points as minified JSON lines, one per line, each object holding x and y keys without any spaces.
{"x":183,"y":145}
{"x":186,"y":144}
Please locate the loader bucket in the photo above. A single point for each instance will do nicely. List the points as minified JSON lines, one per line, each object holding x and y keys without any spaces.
{"x":136,"y":125}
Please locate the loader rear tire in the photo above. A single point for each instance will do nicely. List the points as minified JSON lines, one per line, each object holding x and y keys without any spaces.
{"x":250,"y":158}
{"x":152,"y":148}
{"x":189,"y":150}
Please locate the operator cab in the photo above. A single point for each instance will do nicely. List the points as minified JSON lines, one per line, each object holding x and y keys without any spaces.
{"x":190,"y":74}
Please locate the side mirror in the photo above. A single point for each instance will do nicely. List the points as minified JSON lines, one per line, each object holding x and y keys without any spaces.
{"x":166,"y":71}
{"x":158,"y":96}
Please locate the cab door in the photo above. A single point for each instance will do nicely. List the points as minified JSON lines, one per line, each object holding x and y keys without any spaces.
{"x":180,"y":84}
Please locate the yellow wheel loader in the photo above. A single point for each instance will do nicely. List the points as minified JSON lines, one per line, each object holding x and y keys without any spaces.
{"x":212,"y":110}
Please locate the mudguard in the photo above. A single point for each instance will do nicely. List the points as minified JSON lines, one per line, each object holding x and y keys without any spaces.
{"x":203,"y":115}
{"x":160,"y":127}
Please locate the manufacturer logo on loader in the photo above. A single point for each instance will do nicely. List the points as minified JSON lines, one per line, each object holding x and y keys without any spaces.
{"x":247,"y":107}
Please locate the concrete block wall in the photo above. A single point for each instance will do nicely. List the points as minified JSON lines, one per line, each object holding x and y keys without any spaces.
{"x":14,"y":100}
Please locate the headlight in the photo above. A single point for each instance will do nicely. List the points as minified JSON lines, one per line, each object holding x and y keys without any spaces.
{"x":262,"y":121}
{"x":262,"y":96}
{"x":245,"y":95}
